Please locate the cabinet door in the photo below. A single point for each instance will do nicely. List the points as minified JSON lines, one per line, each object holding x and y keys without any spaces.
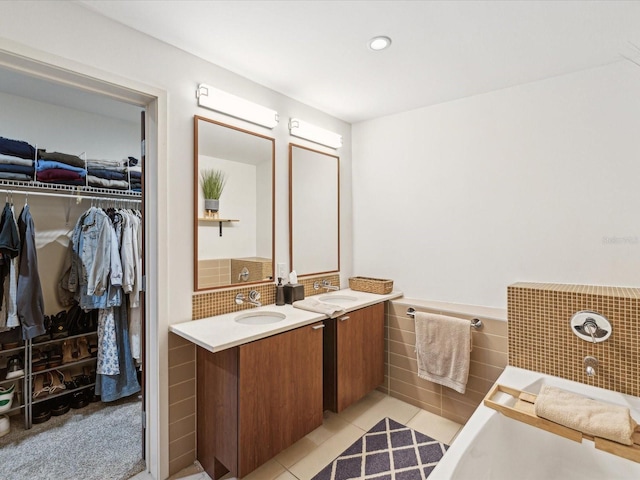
{"x":360,"y":354}
{"x":280,"y":393}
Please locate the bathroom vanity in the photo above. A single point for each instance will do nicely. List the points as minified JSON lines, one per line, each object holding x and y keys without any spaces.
{"x":264,"y":386}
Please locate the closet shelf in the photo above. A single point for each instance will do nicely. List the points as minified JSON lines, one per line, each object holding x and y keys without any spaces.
{"x":62,"y":339}
{"x":5,"y":382}
{"x":10,"y":351}
{"x":55,"y":190}
{"x":77,"y":363}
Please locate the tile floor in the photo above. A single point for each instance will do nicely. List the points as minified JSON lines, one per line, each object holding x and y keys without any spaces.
{"x":311,"y":454}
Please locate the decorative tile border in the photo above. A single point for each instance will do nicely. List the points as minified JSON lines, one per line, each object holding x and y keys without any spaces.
{"x":540,"y":336}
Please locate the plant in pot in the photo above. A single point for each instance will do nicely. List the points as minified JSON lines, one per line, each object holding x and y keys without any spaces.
{"x":212,"y":182}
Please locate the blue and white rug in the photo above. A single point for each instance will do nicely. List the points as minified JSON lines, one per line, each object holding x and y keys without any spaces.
{"x":389,"y":451}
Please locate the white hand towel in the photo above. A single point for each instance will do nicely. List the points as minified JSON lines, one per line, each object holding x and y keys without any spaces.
{"x":313,"y":305}
{"x":592,"y":417}
{"x":443,"y":347}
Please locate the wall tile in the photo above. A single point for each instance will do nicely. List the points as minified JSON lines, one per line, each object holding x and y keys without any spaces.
{"x":488,"y":358}
{"x":540,"y":336}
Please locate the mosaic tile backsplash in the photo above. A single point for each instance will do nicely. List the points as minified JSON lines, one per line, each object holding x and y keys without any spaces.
{"x":219,"y":302}
{"x":540,"y":336}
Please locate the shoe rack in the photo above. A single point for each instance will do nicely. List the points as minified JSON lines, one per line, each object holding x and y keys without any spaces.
{"x":62,"y":372}
{"x":57,"y":371}
{"x":19,"y":400}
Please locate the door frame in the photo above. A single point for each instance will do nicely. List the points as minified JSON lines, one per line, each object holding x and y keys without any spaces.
{"x":60,"y":70}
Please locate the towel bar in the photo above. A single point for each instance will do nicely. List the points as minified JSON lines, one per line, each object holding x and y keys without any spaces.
{"x":475,"y":323}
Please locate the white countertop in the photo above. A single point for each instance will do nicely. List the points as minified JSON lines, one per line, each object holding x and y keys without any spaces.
{"x":222,"y":331}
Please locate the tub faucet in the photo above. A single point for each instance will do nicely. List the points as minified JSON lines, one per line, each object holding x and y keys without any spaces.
{"x":591,"y":364}
{"x":254,"y":297}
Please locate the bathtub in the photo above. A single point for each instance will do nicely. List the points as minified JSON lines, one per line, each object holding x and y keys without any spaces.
{"x":492,"y":446}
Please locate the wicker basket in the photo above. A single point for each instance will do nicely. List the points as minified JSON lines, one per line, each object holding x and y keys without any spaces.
{"x":371,"y":285}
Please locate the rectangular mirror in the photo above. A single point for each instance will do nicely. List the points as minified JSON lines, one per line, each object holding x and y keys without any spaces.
{"x":314,"y":211}
{"x":233,"y":238}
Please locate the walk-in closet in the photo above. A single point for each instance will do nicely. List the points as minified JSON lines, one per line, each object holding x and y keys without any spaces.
{"x":72,"y":302}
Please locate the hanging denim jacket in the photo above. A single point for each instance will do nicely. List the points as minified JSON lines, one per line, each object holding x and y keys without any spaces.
{"x":30,"y":303}
{"x":91,"y":264}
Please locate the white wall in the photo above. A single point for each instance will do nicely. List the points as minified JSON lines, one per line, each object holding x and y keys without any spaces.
{"x":531,"y":183}
{"x":67,"y":30}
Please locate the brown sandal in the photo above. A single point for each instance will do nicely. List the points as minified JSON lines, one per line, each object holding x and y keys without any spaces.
{"x":39,"y":390}
{"x":57,"y":381}
{"x":83,"y":348}
{"x":67,"y":352}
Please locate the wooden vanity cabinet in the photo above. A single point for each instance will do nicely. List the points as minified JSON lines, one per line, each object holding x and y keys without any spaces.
{"x":353,"y":356}
{"x":257,"y":399}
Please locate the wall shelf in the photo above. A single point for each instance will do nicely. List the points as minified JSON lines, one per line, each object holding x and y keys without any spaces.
{"x":220,"y":221}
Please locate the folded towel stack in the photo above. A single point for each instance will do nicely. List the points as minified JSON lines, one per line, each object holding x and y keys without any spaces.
{"x":592,"y":417}
{"x":312,"y":305}
{"x":443,"y":348}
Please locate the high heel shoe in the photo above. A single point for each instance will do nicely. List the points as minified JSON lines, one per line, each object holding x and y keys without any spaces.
{"x":83,"y":348}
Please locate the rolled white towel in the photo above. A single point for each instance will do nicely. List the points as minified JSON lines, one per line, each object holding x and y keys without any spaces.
{"x":599,"y":419}
{"x":312,"y":305}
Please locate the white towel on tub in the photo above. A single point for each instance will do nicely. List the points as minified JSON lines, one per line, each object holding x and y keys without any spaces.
{"x":443,"y":347}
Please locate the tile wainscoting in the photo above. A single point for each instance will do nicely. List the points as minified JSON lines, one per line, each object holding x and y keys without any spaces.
{"x":488,"y":358}
{"x":182,"y":363}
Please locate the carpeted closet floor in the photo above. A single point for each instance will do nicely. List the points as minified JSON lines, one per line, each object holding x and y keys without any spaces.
{"x":100,"y":441}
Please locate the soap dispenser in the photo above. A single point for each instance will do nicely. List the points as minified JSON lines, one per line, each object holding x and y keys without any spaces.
{"x":279,"y":292}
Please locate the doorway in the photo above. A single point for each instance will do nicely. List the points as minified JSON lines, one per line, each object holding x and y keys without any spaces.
{"x":28,"y":85}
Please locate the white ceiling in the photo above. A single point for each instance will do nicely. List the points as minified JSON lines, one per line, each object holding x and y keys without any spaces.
{"x":316,"y":51}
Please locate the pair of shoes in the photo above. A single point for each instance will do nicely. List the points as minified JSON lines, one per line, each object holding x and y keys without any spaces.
{"x":14,"y":367}
{"x":46,"y":359}
{"x":75,"y":349}
{"x":5,"y":425}
{"x":6,"y":397}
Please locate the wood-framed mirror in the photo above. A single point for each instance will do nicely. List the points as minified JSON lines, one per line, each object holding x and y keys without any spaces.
{"x":314,"y":211}
{"x":233,"y":246}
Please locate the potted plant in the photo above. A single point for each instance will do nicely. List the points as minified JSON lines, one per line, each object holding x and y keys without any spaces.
{"x":213,"y":182}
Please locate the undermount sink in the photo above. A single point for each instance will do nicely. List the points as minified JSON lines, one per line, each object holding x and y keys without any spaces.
{"x":338,"y":299}
{"x":260,"y":318}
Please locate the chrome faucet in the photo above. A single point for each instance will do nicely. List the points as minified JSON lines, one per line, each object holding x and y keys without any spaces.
{"x":326,"y":284}
{"x":254,"y":297}
{"x":591,"y":364}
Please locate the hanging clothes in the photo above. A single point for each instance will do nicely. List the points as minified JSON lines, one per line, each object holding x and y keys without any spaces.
{"x":101,"y":273}
{"x":30,"y":303}
{"x":125,"y":383}
{"x":9,"y":250}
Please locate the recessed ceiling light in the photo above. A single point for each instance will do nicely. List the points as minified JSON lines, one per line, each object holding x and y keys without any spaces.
{"x":379,"y":43}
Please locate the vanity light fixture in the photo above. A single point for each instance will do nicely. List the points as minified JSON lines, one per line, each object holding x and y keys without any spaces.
{"x":223,"y":102}
{"x":379,"y":43}
{"x":302,"y":129}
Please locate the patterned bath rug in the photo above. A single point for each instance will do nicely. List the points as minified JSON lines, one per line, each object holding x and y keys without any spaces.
{"x":389,"y":451}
